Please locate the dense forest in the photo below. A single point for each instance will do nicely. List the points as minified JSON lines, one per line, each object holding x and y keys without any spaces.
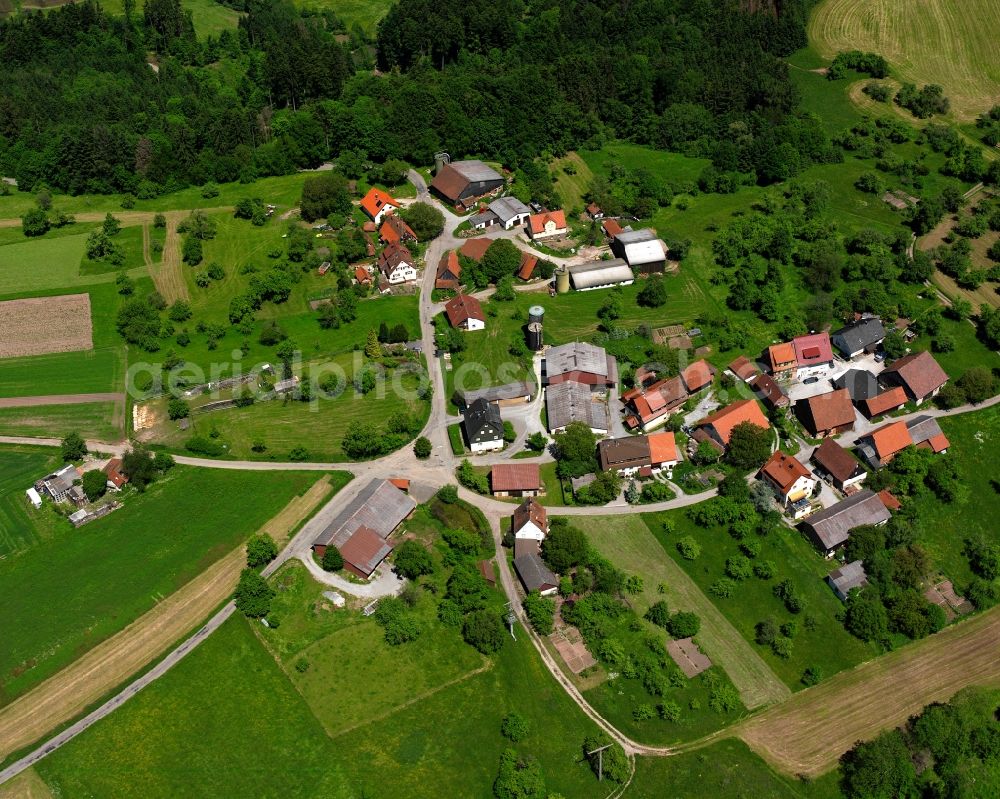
{"x":82,"y":107}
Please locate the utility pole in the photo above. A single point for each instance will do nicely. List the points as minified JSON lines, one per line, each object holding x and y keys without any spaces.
{"x":600,"y":760}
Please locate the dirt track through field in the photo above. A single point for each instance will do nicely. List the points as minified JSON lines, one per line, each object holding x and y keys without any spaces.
{"x":127,"y":218}
{"x":168,"y":275}
{"x":59,"y":399}
{"x":110,"y":663}
{"x":808,"y":733}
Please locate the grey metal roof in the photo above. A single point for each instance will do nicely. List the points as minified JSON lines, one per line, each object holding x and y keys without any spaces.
{"x":380,"y":506}
{"x":600,"y":273}
{"x":833,"y":525}
{"x":481,"y":414}
{"x":645,"y":252}
{"x":635,"y":236}
{"x":507,"y":208}
{"x":923,"y":428}
{"x":62,"y":481}
{"x":860,"y":384}
{"x":859,"y":335}
{"x":578,"y":356}
{"x":850,"y":575}
{"x":573,"y":402}
{"x":534,"y":573}
{"x":482,"y":218}
{"x":497,"y":393}
{"x":475,"y":170}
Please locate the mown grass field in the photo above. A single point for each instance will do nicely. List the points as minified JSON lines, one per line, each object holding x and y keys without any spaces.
{"x":283,"y":191}
{"x":974,"y":439}
{"x":21,"y":526}
{"x":39,"y":264}
{"x":76,"y":587}
{"x":632,"y":547}
{"x":827,"y":645}
{"x":284,"y":424}
{"x":421,"y":719}
{"x":332,"y":642}
{"x":225,"y":719}
{"x":366,"y":13}
{"x":129,"y":239}
{"x":209,"y":17}
{"x":92,"y":420}
{"x":926,"y":41}
{"x":98,"y":370}
{"x":727,"y":768}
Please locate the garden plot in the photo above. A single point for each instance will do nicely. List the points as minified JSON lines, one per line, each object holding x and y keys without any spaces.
{"x":40,"y":325}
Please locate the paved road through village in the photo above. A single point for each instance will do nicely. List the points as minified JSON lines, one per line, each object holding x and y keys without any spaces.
{"x":437,"y":471}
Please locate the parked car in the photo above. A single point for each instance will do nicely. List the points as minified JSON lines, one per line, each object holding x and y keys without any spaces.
{"x":810,"y":380}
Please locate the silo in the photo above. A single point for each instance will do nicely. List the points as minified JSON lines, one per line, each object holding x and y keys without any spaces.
{"x":535,"y":336}
{"x":562,"y":280}
{"x":536,"y":313}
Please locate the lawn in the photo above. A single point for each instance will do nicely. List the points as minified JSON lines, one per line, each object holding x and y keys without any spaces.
{"x":62,"y":373}
{"x":826,"y":645}
{"x":727,"y":768}
{"x":668,"y":166}
{"x":283,"y":191}
{"x":974,"y":439}
{"x":455,"y":439}
{"x":129,"y":239}
{"x":366,"y":13}
{"x":92,"y":420}
{"x":573,"y":179}
{"x":630,"y":545}
{"x":486,"y":359}
{"x":99,"y":370}
{"x":925,"y":41}
{"x":348,"y":643}
{"x":77,"y":587}
{"x":21,"y":526}
{"x":284,"y":424}
{"x":209,"y":17}
{"x":301,"y":327}
{"x":44,"y":263}
{"x":553,"y":496}
{"x":449,"y":744}
{"x":259,"y":738}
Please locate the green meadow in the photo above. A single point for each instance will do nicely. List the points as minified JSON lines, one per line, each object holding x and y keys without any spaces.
{"x":72,"y":589}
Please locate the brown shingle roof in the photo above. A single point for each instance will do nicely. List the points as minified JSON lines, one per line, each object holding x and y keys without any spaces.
{"x":773,"y":394}
{"x":783,"y":470}
{"x":475,"y":248}
{"x":515,"y":477}
{"x":462,"y":308}
{"x":829,"y":411}
{"x":919,"y":373}
{"x":836,"y":460}
{"x":531,"y":510}
{"x":884,"y":402}
{"x":698,"y":375}
{"x":365,"y":550}
{"x":725,"y":419}
{"x":743,"y":368}
{"x":890,"y":439}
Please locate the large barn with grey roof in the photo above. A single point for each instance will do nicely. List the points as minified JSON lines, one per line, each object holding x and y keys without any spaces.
{"x":360,"y":531}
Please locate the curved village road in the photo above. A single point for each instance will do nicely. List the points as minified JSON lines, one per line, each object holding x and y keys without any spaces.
{"x":438,"y":470}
